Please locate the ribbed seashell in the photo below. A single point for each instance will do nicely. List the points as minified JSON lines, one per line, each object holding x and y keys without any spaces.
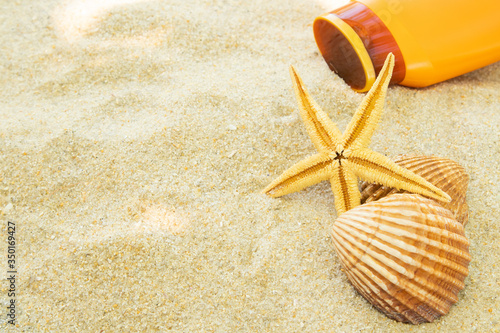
{"x":443,"y":173}
{"x":406,"y":254}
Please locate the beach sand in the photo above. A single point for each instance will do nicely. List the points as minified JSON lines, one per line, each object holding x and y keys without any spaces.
{"x":136,"y":137}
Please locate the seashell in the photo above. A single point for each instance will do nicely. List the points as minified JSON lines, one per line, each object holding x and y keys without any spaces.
{"x":406,"y":254}
{"x":445,"y":174}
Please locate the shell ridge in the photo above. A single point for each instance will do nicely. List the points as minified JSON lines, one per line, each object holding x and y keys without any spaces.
{"x":365,"y":248}
{"x":386,"y":304}
{"x":436,"y":289}
{"x":364,"y":218}
{"x":401,"y":219}
{"x":443,"y":261}
{"x":410,"y":288}
{"x":413,"y":249}
{"x":450,"y":172}
{"x":361,"y":271}
{"x":359,"y":252}
{"x":345,"y":258}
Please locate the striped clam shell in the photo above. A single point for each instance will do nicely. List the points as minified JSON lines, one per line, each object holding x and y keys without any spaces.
{"x":406,"y":254}
{"x":445,"y":174}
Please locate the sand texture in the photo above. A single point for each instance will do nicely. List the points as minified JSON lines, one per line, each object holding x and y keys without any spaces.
{"x":136,"y":137}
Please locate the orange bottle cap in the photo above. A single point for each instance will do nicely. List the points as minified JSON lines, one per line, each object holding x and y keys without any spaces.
{"x":344,"y":52}
{"x":355,"y":43}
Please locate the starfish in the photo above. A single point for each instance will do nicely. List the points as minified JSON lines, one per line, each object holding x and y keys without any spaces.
{"x":342,"y":158}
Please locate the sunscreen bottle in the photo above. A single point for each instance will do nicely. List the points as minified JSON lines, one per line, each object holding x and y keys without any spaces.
{"x":432,"y":40}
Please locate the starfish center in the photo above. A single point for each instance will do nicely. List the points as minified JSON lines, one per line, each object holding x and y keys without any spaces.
{"x":339,"y":156}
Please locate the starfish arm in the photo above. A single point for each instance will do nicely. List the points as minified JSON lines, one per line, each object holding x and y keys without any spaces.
{"x":344,"y":187}
{"x":301,"y":175}
{"x":374,"y":167}
{"x":367,"y":116}
{"x":323,"y":132}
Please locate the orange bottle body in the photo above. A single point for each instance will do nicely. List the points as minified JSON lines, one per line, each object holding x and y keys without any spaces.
{"x":437,"y":40}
